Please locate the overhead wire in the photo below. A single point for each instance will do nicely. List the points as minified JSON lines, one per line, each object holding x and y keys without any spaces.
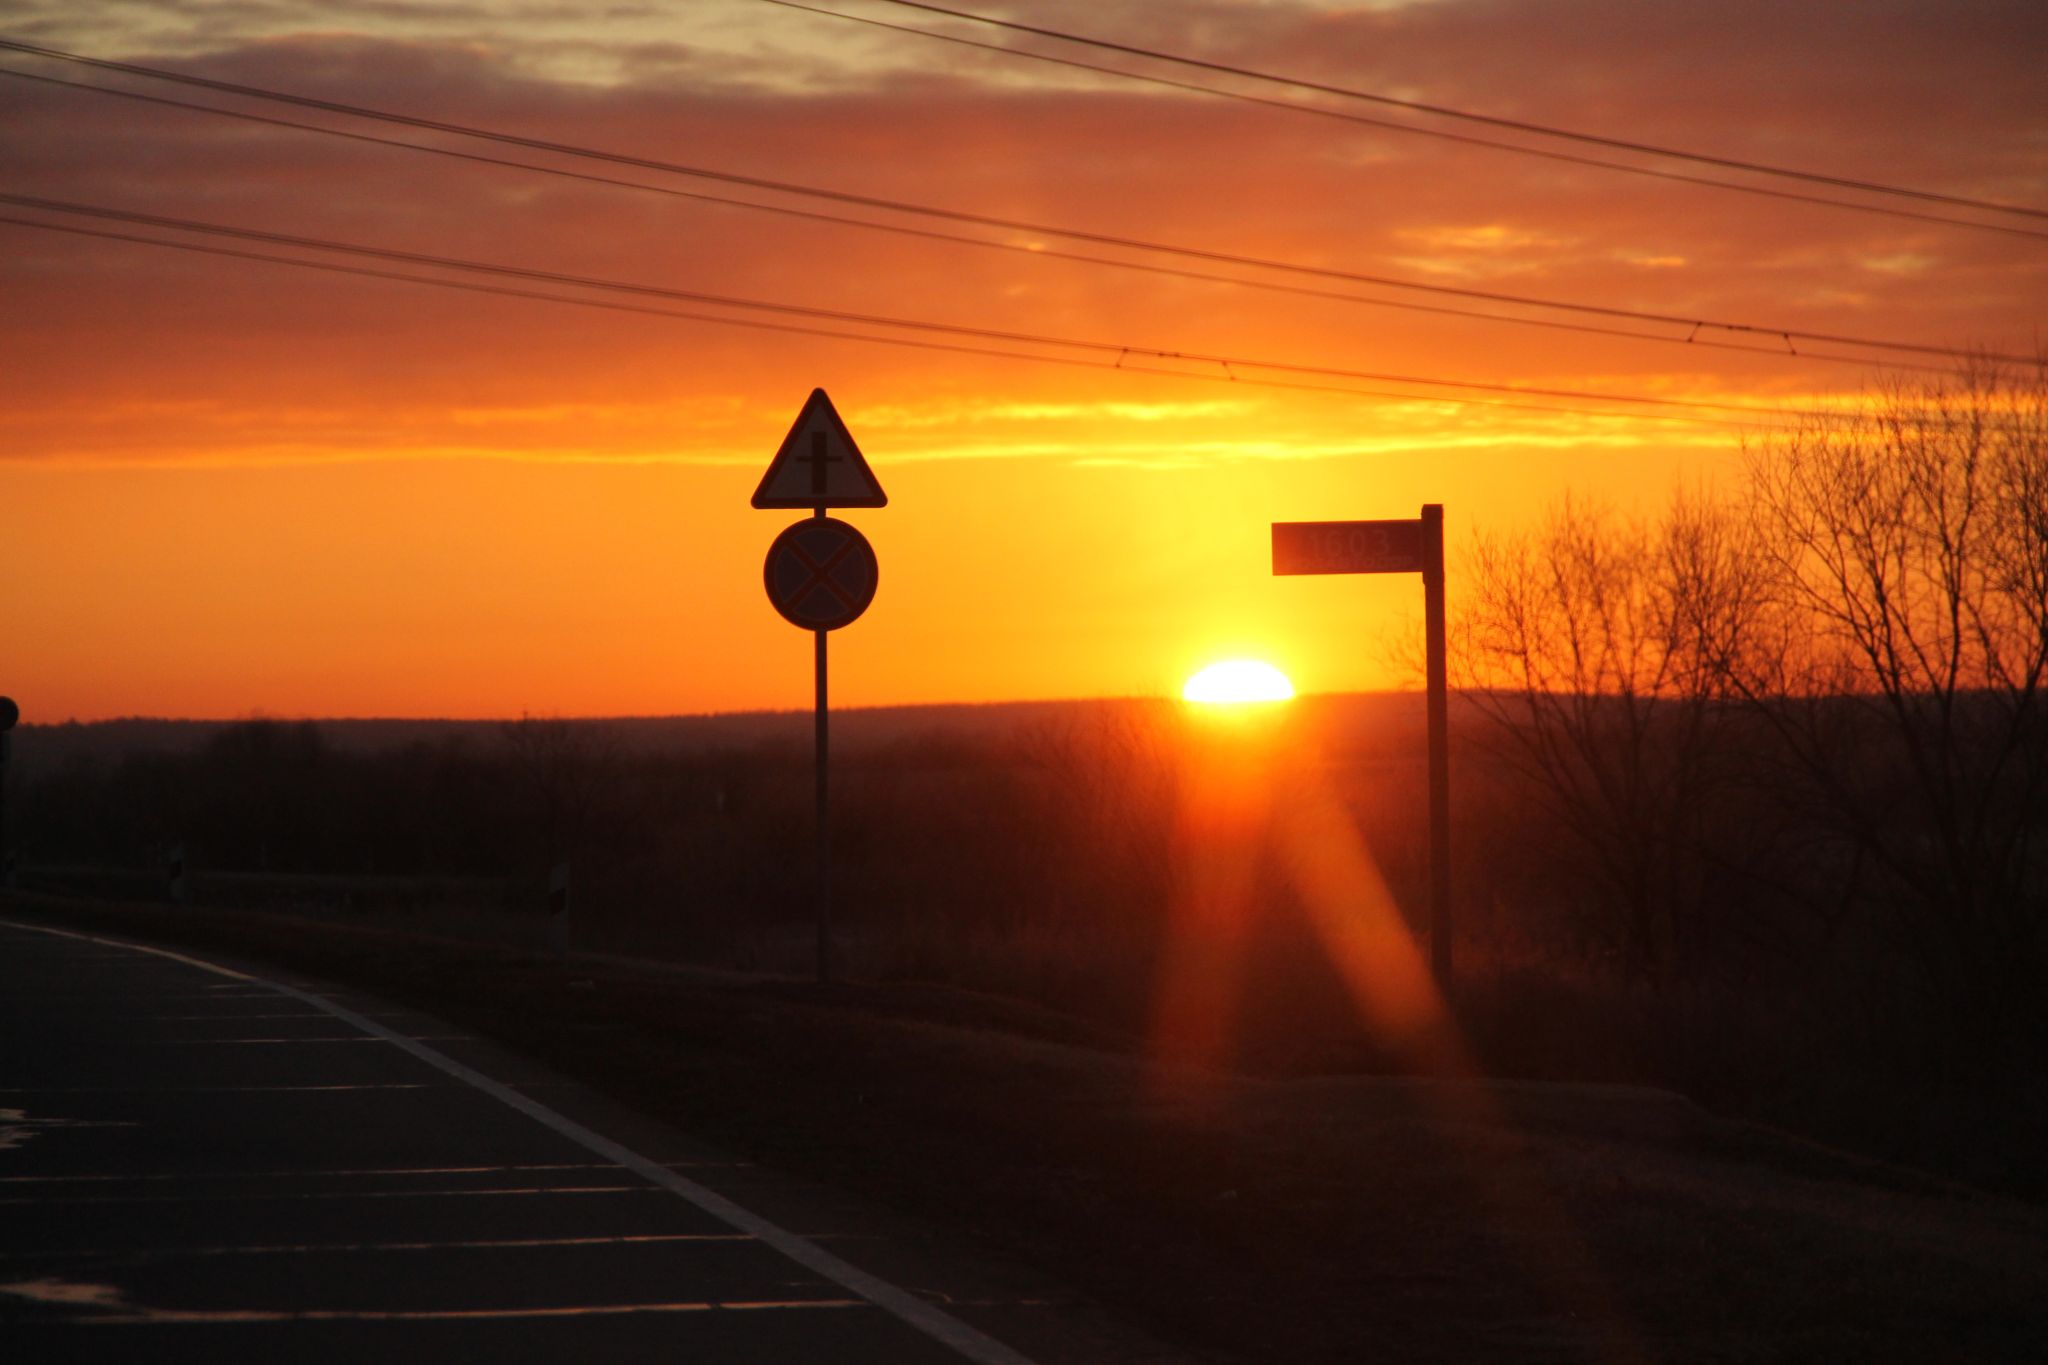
{"x":756,"y":324}
{"x":1789,"y":335}
{"x":1468,"y":116}
{"x":1466,"y":139}
{"x":930,"y":234}
{"x":1225,"y":368}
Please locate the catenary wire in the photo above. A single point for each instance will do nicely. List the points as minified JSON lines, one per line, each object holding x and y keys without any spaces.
{"x":911,"y":343}
{"x":930,"y":234}
{"x":1489,"y":120}
{"x":1121,"y":349}
{"x":1019,"y":225}
{"x":1392,"y":125}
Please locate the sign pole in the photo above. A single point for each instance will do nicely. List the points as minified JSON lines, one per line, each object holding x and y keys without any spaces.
{"x":824,"y":815}
{"x":1439,"y":746}
{"x":9,"y":714}
{"x":558,"y":909}
{"x":1320,"y":547}
{"x":820,"y":575}
{"x":6,"y":854}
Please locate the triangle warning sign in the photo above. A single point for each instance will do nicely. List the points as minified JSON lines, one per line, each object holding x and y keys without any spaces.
{"x":819,"y":465}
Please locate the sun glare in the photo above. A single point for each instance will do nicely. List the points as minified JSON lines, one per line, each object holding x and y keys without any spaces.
{"x":1238,"y":680}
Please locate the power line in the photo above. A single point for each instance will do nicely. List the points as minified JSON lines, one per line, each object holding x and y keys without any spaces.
{"x":1444,"y":135}
{"x":1226,"y":367}
{"x":1010,"y":224}
{"x":1444,"y":111}
{"x":755,"y":324}
{"x":929,"y":234}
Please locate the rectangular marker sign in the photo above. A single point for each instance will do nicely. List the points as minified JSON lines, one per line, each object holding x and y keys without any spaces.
{"x":1347,"y":547}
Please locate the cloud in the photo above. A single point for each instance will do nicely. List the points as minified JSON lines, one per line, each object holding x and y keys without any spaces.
{"x":1946,"y":96}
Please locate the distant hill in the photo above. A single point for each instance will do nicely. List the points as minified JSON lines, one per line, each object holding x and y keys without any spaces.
{"x":1347,"y":721}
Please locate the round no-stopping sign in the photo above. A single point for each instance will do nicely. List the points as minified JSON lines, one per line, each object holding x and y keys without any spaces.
{"x":821,"y":574}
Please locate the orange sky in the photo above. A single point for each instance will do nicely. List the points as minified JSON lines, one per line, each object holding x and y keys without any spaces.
{"x":231,"y":487}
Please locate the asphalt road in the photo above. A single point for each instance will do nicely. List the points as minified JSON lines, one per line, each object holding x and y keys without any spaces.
{"x":201,"y":1165}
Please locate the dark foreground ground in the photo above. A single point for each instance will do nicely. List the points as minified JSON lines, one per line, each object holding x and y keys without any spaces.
{"x":1247,"y":1219}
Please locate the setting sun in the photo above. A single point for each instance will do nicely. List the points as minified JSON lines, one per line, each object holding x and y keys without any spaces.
{"x":1238,"y":680}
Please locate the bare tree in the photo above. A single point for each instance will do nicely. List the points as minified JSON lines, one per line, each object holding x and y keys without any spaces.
{"x":1598,"y":646}
{"x":1907,"y":546}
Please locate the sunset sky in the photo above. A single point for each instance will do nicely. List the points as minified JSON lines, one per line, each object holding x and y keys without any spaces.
{"x":231,"y":486}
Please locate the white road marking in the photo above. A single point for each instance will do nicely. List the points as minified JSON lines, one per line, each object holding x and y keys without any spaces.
{"x":183,"y":1018}
{"x":243,"y":1042}
{"x":240,"y":1042}
{"x":117,"y":1311}
{"x":310,"y":1173}
{"x":348,"y":1248}
{"x":296,"y":1196}
{"x":942,"y":1327}
{"x":206,"y":1089}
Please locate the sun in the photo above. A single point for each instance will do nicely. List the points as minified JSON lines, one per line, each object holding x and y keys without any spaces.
{"x":1238,"y":680}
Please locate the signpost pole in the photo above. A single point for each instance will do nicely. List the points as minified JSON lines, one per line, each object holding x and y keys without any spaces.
{"x":824,"y":726}
{"x":1319,"y":547}
{"x":9,"y":714}
{"x":558,"y":909}
{"x":824,"y":822}
{"x":1439,"y":746}
{"x":6,"y":853}
{"x":820,"y":574}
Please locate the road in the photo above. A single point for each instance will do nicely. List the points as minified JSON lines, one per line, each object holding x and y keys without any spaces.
{"x":200,"y":1164}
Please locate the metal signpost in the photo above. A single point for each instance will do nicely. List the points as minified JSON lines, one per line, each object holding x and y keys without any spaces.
{"x":820,"y":574}
{"x":174,"y":874}
{"x":558,"y":909}
{"x":10,"y":714}
{"x":1318,"y":547}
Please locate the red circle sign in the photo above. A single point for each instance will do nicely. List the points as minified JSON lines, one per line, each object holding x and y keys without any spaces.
{"x":821,"y":574}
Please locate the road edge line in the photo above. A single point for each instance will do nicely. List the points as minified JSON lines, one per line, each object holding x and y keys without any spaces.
{"x":948,"y":1330}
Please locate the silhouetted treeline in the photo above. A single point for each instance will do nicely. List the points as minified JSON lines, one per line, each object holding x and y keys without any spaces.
{"x":1794,"y":733}
{"x":271,"y":795}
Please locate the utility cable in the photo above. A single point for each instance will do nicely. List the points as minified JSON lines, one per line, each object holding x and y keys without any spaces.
{"x":930,"y":234}
{"x":1444,"y":135}
{"x":1227,"y":365}
{"x":954,"y":348}
{"x":1444,"y":111}
{"x":1011,"y":224}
